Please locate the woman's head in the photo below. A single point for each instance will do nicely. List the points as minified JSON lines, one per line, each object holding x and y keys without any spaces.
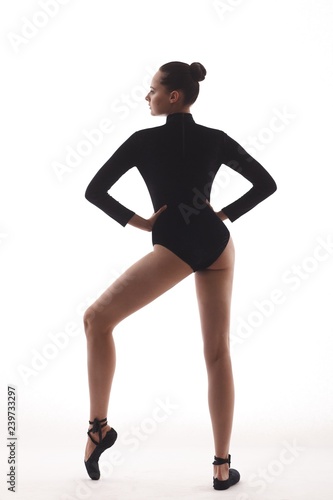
{"x":175,"y":87}
{"x":185,"y":77}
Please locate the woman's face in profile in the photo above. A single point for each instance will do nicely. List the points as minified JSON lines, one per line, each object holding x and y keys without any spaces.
{"x":158,"y":97}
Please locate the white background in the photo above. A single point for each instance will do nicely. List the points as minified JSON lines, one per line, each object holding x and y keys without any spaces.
{"x":63,"y":73}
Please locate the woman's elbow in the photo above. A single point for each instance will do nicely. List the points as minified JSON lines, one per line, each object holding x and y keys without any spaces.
{"x":272,"y":187}
{"x":90,"y":194}
{"x":267,"y":188}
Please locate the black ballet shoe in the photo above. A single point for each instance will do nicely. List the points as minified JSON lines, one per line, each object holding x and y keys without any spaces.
{"x":234,"y":475}
{"x":108,"y":440}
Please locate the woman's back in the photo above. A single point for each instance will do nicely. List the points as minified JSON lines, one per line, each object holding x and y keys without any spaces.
{"x":178,"y":162}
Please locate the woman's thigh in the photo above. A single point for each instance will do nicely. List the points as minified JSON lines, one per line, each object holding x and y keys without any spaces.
{"x":214,"y":290}
{"x":144,"y":281}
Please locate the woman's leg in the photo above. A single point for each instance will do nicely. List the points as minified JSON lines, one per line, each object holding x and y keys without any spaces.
{"x":214,"y":289}
{"x":143,"y":282}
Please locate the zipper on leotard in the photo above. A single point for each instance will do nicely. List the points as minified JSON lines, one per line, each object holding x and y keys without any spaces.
{"x":183,"y":138}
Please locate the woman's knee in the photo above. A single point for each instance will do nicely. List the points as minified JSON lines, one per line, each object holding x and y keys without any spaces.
{"x":95,"y":322}
{"x":217,"y":353}
{"x":88,"y":318}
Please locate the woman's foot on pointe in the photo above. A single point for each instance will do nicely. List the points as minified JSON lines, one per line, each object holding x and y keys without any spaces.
{"x":106,"y":437}
{"x":90,"y":446}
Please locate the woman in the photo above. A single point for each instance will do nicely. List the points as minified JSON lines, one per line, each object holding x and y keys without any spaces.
{"x":178,"y":162}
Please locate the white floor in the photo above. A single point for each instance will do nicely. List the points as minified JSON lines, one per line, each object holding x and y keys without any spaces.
{"x":162,"y":471}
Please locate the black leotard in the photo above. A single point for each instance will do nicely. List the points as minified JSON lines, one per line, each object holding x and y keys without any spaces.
{"x":178,"y":162}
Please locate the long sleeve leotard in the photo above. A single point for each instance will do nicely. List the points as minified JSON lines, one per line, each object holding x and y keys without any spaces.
{"x":178,"y":162}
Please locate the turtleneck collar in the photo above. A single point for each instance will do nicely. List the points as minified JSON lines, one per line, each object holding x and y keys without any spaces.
{"x":178,"y":117}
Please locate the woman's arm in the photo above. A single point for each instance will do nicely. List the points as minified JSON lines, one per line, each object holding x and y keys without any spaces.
{"x":126,"y":156}
{"x":220,"y":214}
{"x":97,"y":191}
{"x":235,"y":157}
{"x":146,"y":224}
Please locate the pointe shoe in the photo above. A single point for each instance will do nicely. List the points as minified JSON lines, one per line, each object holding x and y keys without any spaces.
{"x":234,"y":475}
{"x":101,"y":445}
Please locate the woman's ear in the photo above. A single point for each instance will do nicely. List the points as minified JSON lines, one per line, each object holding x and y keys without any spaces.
{"x":175,"y":96}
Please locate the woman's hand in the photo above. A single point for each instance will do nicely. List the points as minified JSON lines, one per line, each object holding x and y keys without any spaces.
{"x":220,"y":214}
{"x":146,"y":224}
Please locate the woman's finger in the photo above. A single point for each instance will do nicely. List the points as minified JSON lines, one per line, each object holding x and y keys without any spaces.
{"x":162,"y":209}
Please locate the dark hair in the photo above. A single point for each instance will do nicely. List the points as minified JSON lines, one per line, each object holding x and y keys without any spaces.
{"x":185,"y":77}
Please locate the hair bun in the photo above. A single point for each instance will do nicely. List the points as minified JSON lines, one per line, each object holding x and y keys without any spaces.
{"x":198,"y":71}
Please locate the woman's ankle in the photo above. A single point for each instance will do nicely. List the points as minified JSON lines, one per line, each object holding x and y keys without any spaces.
{"x":221,"y":471}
